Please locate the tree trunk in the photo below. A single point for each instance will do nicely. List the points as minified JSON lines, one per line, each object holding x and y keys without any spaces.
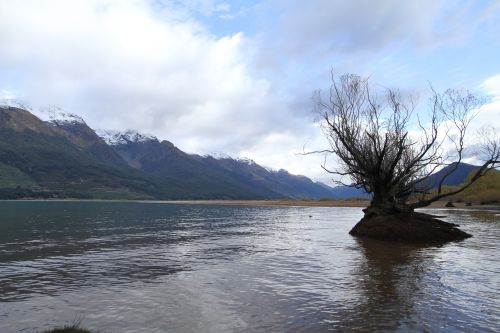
{"x":384,"y":203}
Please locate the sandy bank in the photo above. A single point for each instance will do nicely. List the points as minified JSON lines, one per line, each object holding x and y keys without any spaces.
{"x":284,"y":202}
{"x":279,"y":202}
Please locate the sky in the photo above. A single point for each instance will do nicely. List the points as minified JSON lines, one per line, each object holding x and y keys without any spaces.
{"x":236,"y":77}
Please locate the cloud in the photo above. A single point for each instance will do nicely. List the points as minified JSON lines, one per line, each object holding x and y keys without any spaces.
{"x":127,"y":64}
{"x":363,"y":25}
{"x":158,"y":66}
{"x":382,"y":38}
{"x":121,"y":64}
{"x":489,"y":114}
{"x":491,"y":86}
{"x":6,"y":95}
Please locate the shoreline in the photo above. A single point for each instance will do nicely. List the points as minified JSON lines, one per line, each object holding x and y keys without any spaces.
{"x":347,"y":203}
{"x":277,"y":202}
{"x":221,"y":202}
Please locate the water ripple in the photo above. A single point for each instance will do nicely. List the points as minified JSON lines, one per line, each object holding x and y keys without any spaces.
{"x":135,"y":267}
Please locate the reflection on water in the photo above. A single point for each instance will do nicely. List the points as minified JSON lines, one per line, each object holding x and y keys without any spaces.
{"x":390,"y":287}
{"x":135,"y":267}
{"x":483,"y":215}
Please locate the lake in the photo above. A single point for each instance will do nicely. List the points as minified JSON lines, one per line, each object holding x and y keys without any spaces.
{"x":152,"y":267}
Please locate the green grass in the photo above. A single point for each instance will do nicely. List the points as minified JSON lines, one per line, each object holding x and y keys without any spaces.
{"x":484,"y":190}
{"x":11,"y":177}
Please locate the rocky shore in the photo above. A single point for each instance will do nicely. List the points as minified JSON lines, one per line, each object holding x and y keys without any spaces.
{"x":411,"y":227}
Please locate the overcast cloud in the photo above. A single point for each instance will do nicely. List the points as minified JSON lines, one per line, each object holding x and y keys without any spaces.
{"x":236,"y":77}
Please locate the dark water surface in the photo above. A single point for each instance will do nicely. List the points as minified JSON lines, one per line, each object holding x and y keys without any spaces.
{"x":149,"y":267}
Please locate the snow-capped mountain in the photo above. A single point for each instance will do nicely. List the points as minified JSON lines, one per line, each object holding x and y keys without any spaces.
{"x":59,"y":117}
{"x":53,"y":114}
{"x":12,"y":102}
{"x":68,"y":157}
{"x":245,"y":160}
{"x":113,"y":137}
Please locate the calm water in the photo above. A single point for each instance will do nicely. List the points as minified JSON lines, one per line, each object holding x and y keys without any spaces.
{"x":148,"y":267}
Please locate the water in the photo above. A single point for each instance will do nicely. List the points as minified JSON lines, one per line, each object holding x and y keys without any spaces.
{"x":150,"y":267}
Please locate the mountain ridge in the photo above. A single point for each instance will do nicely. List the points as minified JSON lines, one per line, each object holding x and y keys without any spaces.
{"x":63,"y":157}
{"x":60,"y":165}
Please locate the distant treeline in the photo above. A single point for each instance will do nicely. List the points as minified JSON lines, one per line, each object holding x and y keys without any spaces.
{"x":26,"y":193}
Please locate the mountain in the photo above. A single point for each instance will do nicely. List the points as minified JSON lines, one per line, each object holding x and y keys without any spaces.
{"x":346,"y":192}
{"x":63,"y":157}
{"x":286,"y":184}
{"x":176,"y":168}
{"x":206,"y":176}
{"x":457,"y":177}
{"x":51,"y":159}
{"x":75,"y":129}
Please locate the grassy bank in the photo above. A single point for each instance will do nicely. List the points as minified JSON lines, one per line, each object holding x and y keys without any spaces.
{"x":75,"y":328}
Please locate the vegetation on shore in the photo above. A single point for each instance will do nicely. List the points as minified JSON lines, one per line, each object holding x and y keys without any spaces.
{"x":353,"y":202}
{"x":74,"y":328}
{"x":484,"y":191}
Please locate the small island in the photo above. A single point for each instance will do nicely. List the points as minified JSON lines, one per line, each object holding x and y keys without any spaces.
{"x":369,"y":133}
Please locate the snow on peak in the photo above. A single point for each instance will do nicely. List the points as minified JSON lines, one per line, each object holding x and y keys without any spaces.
{"x":14,"y":103}
{"x":224,"y":156}
{"x":218,"y":155}
{"x":57,"y":116}
{"x":54,"y":115}
{"x":112,"y":137}
{"x":245,"y":160}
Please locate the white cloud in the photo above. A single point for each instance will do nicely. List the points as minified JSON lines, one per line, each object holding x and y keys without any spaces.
{"x":383,"y":39}
{"x":6,"y":95}
{"x":151,"y":66}
{"x":491,"y":86}
{"x":489,"y":114}
{"x":119,"y":64}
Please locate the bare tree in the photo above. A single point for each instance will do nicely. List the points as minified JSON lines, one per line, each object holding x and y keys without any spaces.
{"x":370,"y":135}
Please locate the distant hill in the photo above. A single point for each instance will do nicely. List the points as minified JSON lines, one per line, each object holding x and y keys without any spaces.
{"x":206,"y":176}
{"x":281,"y":181}
{"x":457,"y":177}
{"x":346,"y":192}
{"x":196,"y":179}
{"x":485,"y":190}
{"x":63,"y":157}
